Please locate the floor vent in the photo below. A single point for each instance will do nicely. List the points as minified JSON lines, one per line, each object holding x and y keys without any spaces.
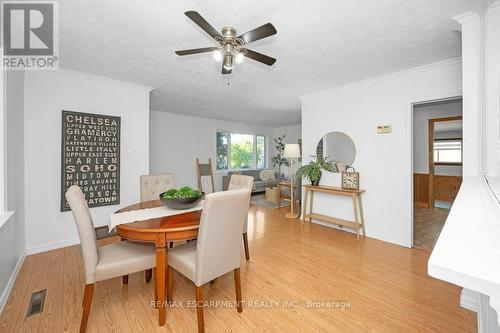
{"x":103,"y":232}
{"x":36,"y":303}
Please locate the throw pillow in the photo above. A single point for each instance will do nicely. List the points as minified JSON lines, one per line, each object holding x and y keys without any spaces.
{"x":265,"y":175}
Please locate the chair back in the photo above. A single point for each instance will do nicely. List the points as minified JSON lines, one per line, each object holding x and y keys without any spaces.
{"x":218,"y":249}
{"x":240,"y":181}
{"x":205,"y":175}
{"x":154,"y":185}
{"x":86,"y":232}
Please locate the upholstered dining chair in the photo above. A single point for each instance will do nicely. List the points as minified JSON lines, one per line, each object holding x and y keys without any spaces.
{"x":151,"y":188}
{"x":217,"y":250}
{"x":154,"y":185}
{"x":238,"y":182}
{"x":106,"y":262}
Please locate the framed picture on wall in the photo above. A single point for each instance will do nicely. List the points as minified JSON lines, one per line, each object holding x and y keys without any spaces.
{"x":90,"y":157}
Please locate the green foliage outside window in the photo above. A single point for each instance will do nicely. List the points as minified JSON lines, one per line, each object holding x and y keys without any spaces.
{"x":242,"y":155}
{"x":222,"y":150}
{"x":240,"y":151}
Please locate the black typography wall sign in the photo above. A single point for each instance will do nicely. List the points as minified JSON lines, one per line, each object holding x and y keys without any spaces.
{"x":91,"y":157}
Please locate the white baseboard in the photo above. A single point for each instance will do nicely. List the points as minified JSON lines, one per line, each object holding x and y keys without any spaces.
{"x":381,"y":237}
{"x":8,"y":288}
{"x":52,"y":246}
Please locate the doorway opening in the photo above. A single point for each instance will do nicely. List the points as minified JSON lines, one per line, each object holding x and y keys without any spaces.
{"x":437,"y":166}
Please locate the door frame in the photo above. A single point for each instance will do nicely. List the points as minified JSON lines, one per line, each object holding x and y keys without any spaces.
{"x":414,"y":102}
{"x":432,"y":123}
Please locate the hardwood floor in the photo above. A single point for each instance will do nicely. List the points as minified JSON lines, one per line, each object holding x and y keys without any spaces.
{"x":427,"y":225}
{"x":377,"y":286}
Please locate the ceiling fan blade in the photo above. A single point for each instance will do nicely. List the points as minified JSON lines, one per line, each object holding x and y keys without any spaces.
{"x":226,"y":71}
{"x":202,"y":23}
{"x":260,"y":57}
{"x":263,"y":31}
{"x":195,"y":51}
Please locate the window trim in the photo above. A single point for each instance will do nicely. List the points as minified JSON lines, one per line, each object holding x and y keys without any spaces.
{"x":461,"y":152}
{"x":3,"y":145}
{"x":229,"y":167}
{"x":4,"y":214}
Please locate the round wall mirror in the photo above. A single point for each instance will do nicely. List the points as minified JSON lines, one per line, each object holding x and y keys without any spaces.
{"x":339,"y":148}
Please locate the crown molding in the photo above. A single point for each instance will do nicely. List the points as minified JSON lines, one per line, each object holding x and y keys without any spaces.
{"x":388,"y":76}
{"x":494,"y":7}
{"x":495,"y":4}
{"x":103,"y":78}
{"x":465,"y":17}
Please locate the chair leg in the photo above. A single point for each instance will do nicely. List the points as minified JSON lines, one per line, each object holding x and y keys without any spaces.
{"x":237,"y":285}
{"x":124,"y":277}
{"x":170,"y":287}
{"x":199,"y":309}
{"x":171,"y":245}
{"x":87,"y":302}
{"x":148,"y":274}
{"x":245,"y":242}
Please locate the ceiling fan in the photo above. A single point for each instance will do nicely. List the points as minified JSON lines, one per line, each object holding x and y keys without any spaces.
{"x":231,"y":48}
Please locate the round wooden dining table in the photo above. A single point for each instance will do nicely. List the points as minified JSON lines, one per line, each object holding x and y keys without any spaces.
{"x":160,"y":231}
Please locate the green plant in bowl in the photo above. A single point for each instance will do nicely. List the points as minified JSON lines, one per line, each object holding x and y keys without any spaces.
{"x":182,"y":198}
{"x":183,"y":192}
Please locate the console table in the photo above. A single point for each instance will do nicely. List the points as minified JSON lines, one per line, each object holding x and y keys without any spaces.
{"x":359,"y":222}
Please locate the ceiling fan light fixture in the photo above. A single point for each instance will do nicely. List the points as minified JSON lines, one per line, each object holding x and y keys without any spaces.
{"x":228,"y":61}
{"x":239,"y":58}
{"x":218,"y":55}
{"x":230,"y":48}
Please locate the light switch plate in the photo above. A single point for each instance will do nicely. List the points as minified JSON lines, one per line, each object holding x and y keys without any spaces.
{"x":381,"y":129}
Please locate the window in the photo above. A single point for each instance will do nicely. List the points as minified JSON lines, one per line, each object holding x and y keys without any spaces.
{"x":448,"y":151}
{"x":237,"y":151}
{"x":260,"y":150}
{"x":242,"y":156}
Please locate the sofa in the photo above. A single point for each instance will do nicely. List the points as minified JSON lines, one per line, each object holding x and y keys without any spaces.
{"x":258,"y":184}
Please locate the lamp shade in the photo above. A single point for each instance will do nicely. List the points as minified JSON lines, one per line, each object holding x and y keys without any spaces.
{"x":292,"y":150}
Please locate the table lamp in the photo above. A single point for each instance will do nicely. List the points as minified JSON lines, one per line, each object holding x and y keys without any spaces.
{"x":292,"y":152}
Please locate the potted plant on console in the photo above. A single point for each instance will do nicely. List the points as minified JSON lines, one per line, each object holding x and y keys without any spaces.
{"x":313,"y":169}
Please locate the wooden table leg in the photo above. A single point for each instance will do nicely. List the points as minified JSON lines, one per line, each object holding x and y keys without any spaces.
{"x":361,"y":215}
{"x":279,"y":196}
{"x":311,"y":205}
{"x":156,"y":289}
{"x":161,"y":262}
{"x":355,"y":207}
{"x":304,"y":209}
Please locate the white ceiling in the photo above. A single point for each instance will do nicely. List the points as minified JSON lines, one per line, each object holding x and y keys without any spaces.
{"x":319,"y":44}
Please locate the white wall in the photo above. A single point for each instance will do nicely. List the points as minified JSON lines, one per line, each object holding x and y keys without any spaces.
{"x":383,"y":160}
{"x":492,"y":90}
{"x":293,"y":134}
{"x":46,"y":94}
{"x":177,"y":140}
{"x":421,"y":116}
{"x":12,"y":233}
